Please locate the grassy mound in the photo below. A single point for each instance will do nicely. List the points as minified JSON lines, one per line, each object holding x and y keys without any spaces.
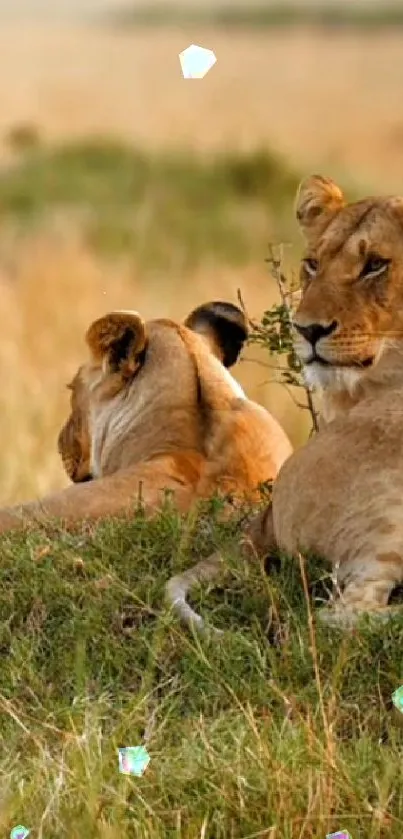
{"x":276,"y":731}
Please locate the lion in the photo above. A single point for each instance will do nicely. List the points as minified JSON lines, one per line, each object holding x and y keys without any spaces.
{"x":155,"y":409}
{"x":339,"y":496}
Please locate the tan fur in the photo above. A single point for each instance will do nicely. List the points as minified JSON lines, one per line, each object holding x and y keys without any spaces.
{"x":156,"y":409}
{"x":340,"y":495}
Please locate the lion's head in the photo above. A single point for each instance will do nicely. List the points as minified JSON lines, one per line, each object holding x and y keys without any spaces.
{"x":143,"y":385}
{"x":351,"y":310}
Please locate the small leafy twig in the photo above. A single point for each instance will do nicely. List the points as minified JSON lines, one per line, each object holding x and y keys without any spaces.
{"x":274,"y":333}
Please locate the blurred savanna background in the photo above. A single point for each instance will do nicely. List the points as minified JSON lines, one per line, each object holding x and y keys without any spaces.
{"x":123,"y":185}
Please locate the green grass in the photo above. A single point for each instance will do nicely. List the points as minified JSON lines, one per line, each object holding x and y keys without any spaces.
{"x":271,"y":15}
{"x":92,"y":660}
{"x":153,"y":206}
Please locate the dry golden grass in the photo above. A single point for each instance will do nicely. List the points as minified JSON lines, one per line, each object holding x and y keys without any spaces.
{"x":331,"y":101}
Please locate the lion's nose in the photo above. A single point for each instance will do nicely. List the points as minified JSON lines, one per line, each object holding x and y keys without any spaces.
{"x":315,"y":331}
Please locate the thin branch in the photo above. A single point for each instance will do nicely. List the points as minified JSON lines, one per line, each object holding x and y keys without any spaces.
{"x":282,"y":286}
{"x":277,"y":368}
{"x":297,"y":404}
{"x":267,"y":335}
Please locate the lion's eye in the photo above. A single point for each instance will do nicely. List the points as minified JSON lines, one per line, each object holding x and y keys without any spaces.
{"x":311,"y":266}
{"x":374,"y":265}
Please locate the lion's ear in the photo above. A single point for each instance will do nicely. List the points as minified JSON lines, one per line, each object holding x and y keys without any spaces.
{"x":224,"y":326}
{"x":118,"y":341}
{"x":317,"y":200}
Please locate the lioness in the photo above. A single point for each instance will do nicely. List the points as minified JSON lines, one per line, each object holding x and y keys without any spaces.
{"x":156,"y":409}
{"x":340,"y":495}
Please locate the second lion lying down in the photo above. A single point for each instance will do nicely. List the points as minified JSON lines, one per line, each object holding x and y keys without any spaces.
{"x":156,"y":409}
